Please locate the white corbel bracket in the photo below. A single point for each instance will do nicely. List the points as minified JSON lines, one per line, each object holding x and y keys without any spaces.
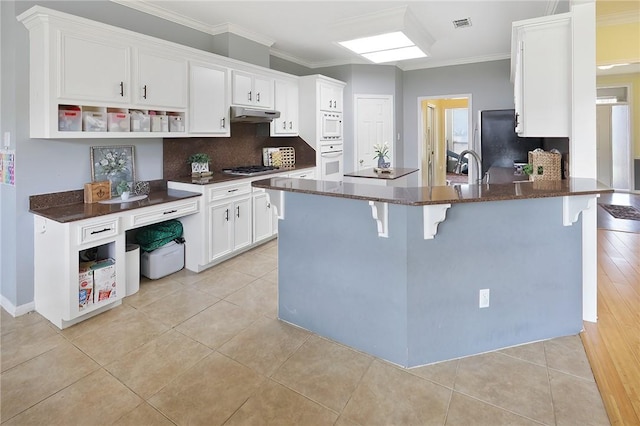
{"x":380,"y":213}
{"x":572,"y":206}
{"x":433,"y":214}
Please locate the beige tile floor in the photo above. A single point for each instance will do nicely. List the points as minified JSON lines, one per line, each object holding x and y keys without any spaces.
{"x":207,"y":349}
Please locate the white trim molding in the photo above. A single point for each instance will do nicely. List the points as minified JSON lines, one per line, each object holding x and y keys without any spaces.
{"x":432,"y":216}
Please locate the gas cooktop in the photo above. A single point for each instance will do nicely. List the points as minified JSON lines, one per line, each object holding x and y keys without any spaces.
{"x":249,"y":170}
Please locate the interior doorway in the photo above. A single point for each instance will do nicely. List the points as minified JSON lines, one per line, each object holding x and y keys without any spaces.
{"x":374,"y":125}
{"x":613,"y":136}
{"x":445,"y":124}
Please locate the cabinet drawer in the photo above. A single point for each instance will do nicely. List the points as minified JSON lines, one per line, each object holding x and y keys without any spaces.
{"x":222,"y":192}
{"x":95,"y":231}
{"x":164,"y":212}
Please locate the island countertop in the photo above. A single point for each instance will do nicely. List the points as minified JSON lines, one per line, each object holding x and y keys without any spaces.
{"x":394,"y":173}
{"x":426,"y":195}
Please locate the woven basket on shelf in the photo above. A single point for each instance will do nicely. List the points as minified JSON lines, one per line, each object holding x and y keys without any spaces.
{"x":546,"y":165}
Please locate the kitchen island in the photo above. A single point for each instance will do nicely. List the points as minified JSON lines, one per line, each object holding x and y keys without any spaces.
{"x":398,"y":272}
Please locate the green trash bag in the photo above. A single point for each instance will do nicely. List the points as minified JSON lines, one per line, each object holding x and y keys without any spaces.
{"x":153,"y":236}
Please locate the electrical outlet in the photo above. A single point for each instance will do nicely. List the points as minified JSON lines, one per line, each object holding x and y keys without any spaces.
{"x":484,"y":298}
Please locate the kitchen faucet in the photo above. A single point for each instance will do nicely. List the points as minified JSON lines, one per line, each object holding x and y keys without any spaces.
{"x":475,"y":155}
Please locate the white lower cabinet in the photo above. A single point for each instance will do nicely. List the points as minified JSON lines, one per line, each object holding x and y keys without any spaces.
{"x":229,"y":226}
{"x":57,"y":283}
{"x":263,"y":216}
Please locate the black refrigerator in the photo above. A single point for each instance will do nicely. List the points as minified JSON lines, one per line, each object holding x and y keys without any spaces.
{"x":500,"y":145}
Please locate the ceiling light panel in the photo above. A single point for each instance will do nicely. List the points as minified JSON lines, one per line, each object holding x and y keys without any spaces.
{"x":378,"y":42}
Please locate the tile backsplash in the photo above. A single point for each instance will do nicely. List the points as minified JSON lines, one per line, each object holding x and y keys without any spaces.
{"x":243,"y":148}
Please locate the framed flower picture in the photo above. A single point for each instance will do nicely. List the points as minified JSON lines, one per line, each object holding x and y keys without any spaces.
{"x":113,"y":163}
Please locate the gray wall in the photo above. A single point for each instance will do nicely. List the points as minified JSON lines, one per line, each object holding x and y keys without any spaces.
{"x":410,"y":300}
{"x":487,"y":82}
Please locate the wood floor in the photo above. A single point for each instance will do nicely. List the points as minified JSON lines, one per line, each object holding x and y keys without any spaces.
{"x":613,"y":343}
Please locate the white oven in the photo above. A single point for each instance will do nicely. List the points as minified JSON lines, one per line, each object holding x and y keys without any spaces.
{"x":331,"y":161}
{"x":331,"y":127}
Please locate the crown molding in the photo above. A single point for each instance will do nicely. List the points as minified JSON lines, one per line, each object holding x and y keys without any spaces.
{"x":160,"y":12}
{"x":617,"y":19}
{"x":426,"y":63}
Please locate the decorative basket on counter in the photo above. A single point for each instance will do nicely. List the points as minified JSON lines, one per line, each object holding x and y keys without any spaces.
{"x":282,"y":157}
{"x":546,"y":165}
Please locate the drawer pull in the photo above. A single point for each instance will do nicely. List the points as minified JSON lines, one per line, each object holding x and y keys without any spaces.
{"x":232,"y":190}
{"x":170,"y":211}
{"x":98,"y":232}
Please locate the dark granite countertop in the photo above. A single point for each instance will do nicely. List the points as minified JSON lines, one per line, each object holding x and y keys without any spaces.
{"x":219,"y":176}
{"x":65,"y":207}
{"x":419,"y":196}
{"x":372,"y":174}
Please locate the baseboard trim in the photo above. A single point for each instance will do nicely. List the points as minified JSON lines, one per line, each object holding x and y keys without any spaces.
{"x":16,"y":311}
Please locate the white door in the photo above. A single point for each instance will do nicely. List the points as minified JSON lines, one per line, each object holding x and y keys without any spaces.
{"x":220,"y":228}
{"x":374,"y":125}
{"x":429,"y":145}
{"x":241,"y":223}
{"x":262,"y":217}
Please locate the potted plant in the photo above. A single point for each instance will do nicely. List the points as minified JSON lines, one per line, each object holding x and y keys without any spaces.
{"x":199,"y":163}
{"x":382,"y":152}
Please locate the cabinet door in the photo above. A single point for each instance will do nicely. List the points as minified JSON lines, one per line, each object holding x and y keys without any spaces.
{"x":161,"y":80}
{"x":241,"y":223}
{"x":94,"y":70}
{"x":220,"y":230}
{"x":263,"y":88}
{"x":242,"y":88}
{"x":543,"y":98}
{"x":286,"y":101}
{"x":330,"y":97}
{"x":208,"y":100}
{"x":262,"y":217}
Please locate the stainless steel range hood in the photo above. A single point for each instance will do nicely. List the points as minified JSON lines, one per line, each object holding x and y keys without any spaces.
{"x":252,"y":115}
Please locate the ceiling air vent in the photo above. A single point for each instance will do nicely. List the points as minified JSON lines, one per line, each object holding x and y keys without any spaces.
{"x":462,"y":23}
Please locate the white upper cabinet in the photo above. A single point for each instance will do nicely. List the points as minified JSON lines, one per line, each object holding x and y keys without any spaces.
{"x":330,"y":97}
{"x":93,"y":69}
{"x":541,"y":73}
{"x":208,"y":100}
{"x":251,"y":90}
{"x":286,"y":102}
{"x":161,"y":79}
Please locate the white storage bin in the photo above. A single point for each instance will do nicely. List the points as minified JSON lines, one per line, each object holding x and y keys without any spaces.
{"x":118,"y":121}
{"x":93,"y":121}
{"x":162,"y":261}
{"x":140,"y":122}
{"x":176,"y":123}
{"x":159,"y":123}
{"x":69,"y":120}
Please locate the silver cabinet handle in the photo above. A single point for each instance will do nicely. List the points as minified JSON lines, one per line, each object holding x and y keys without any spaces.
{"x":226,"y":215}
{"x":290,"y":125}
{"x":249,"y":95}
{"x":268,"y":205}
{"x":223,"y":122}
{"x":238,"y":211}
{"x":284,"y":125}
{"x":258,"y":97}
{"x":144,"y":91}
{"x":232,"y":190}
{"x":170,"y":212}
{"x":122,"y":89}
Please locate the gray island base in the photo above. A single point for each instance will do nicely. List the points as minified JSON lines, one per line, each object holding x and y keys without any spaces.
{"x":410,"y":296}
